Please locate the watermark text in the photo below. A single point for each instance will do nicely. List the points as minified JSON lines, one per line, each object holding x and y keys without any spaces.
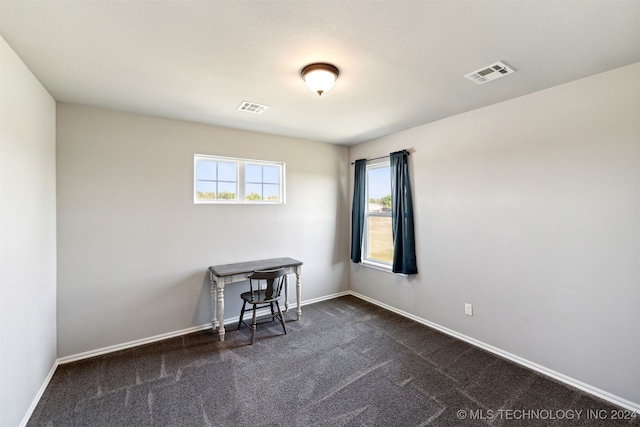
{"x":547,"y":414}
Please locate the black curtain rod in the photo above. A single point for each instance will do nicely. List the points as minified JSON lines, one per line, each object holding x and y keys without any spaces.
{"x":382,"y":157}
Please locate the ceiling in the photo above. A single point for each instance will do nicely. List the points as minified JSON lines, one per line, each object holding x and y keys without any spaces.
{"x":401,"y":62}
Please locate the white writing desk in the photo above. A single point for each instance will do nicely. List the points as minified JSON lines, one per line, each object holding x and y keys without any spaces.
{"x":220,"y":275}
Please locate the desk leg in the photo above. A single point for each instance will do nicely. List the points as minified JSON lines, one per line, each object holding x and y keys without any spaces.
{"x":221,"y":330}
{"x":286,"y":293}
{"x":299,"y":310}
{"x":214,"y":317}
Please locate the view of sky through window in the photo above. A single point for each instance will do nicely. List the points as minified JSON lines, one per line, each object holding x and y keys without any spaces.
{"x":215,"y":180}
{"x":262,"y":182}
{"x":379,"y":182}
{"x":230,"y":180}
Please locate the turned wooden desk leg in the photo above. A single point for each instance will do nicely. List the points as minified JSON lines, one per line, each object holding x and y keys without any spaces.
{"x":221,"y":330}
{"x":286,"y":293}
{"x":214,"y":318}
{"x":299,"y":310}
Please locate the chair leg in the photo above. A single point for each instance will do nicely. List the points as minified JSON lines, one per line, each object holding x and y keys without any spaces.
{"x":241,"y":314}
{"x":253,"y":325}
{"x":281,"y":317}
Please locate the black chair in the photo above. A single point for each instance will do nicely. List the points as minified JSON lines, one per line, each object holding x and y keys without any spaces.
{"x":265,"y":288}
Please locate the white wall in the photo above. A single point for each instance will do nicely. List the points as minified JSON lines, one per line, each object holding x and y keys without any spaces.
{"x":133,"y":248}
{"x":27,"y":236}
{"x":529,"y":210}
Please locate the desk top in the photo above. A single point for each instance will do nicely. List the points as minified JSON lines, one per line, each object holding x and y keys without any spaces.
{"x":248,"y":267}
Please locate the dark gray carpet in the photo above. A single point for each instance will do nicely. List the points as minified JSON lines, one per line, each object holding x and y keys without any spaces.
{"x":346,"y":363}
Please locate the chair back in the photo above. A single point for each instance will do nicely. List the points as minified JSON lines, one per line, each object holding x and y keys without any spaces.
{"x":270,"y":281}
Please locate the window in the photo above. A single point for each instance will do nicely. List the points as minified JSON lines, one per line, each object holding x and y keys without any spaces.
{"x":216,"y":180}
{"x":262,"y":182}
{"x":378,"y":236}
{"x":229,"y":180}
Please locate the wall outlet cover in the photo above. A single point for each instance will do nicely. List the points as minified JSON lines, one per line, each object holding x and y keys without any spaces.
{"x":468,"y":309}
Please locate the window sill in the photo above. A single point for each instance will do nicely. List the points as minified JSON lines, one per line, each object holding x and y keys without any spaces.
{"x":381,"y":267}
{"x":376,"y":266}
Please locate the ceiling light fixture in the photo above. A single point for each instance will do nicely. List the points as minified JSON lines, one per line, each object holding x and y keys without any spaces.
{"x":320,"y":77}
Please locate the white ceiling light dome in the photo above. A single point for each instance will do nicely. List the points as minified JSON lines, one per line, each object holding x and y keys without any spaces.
{"x":320,"y":77}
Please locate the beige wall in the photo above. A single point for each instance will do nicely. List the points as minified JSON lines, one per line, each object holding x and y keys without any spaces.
{"x":27,"y":236}
{"x":529,"y":210}
{"x":133,"y":249}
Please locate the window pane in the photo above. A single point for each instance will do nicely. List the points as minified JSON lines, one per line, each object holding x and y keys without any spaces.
{"x":226,"y":190}
{"x":206,"y":186}
{"x":227,"y":171}
{"x":379,"y":186}
{"x":253,"y":192}
{"x":253,"y":173}
{"x":206,"y":169}
{"x":380,"y":239}
{"x":271,"y":174}
{"x":205,"y":190}
{"x":262,"y":183}
{"x":270,"y":192}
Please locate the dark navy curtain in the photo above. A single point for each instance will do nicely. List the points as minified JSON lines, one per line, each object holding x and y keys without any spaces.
{"x":357,"y":210}
{"x":404,"y":243}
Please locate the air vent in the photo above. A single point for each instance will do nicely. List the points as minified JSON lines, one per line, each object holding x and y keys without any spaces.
{"x":491,"y":72}
{"x":252,"y":107}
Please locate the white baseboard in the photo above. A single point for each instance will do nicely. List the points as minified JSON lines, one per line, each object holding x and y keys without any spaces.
{"x":38,"y":395}
{"x":326,"y":297}
{"x":130,"y":344}
{"x":149,"y":340}
{"x":602,"y":394}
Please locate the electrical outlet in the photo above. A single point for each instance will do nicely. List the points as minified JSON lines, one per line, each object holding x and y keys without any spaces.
{"x":468,"y":309}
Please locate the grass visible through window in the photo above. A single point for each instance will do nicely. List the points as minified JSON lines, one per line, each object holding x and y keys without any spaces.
{"x":380,"y":239}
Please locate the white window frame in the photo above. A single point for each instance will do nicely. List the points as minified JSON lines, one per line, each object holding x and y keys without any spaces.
{"x":366,"y":260}
{"x":281,"y":170}
{"x":240,"y":180}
